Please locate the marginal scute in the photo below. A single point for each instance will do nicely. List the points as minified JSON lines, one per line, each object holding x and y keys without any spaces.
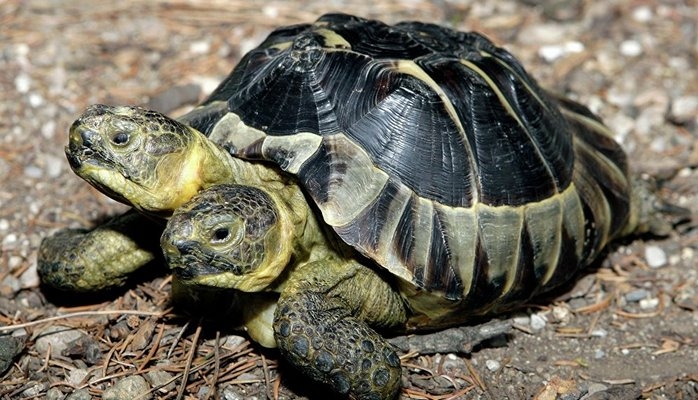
{"x":233,"y":134}
{"x":499,"y":234}
{"x":342,"y":180}
{"x":297,"y":149}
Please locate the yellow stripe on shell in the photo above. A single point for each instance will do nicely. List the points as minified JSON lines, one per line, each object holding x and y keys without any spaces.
{"x":411,"y":68}
{"x":503,"y":100}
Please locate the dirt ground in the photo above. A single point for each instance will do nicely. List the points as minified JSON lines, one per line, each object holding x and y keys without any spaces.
{"x":627,"y":329}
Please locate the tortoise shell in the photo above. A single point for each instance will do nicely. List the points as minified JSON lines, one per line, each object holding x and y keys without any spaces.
{"x":431,"y":152}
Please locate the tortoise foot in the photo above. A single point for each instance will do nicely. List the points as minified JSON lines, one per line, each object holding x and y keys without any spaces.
{"x":330,"y":346}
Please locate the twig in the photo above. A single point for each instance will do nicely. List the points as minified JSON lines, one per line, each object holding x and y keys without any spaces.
{"x":154,"y":349}
{"x":190,"y":359}
{"x":9,"y":328}
{"x":177,"y":339}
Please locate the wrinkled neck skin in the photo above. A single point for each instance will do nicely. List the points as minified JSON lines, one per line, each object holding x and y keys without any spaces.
{"x":307,"y":242}
{"x":215,"y":165}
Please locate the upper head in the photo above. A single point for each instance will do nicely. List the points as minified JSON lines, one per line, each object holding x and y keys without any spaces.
{"x":136,"y":156}
{"x":230,"y":236}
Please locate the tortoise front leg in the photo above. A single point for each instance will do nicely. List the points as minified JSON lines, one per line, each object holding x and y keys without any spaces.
{"x":80,"y":260}
{"x":322,"y":327}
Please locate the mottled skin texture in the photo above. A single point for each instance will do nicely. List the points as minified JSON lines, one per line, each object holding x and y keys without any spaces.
{"x":80,"y":260}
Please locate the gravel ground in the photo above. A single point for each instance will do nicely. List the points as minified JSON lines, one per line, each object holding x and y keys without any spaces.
{"x":628,"y":329}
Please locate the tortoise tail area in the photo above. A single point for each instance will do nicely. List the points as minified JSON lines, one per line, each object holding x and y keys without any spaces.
{"x":617,"y":203}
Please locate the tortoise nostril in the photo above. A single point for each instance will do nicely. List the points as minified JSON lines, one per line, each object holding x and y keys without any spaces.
{"x":183,"y":247}
{"x":81,"y":136}
{"x":87,"y":136}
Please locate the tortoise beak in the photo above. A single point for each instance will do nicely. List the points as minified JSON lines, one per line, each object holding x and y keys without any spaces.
{"x":80,"y":142}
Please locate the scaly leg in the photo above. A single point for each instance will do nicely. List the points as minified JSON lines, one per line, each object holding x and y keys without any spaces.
{"x":323,"y":326}
{"x":80,"y":260}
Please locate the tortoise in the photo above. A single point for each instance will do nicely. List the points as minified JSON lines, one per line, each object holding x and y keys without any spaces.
{"x":351,"y":177}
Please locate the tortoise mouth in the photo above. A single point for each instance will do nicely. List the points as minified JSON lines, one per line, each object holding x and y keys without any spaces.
{"x":190,"y":270}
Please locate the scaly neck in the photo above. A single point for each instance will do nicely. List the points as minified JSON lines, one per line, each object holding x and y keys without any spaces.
{"x":217,"y":166}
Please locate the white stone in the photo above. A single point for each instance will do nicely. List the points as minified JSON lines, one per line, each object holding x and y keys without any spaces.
{"x":200,"y":47}
{"x":655,"y":256}
{"x":538,"y":322}
{"x":684,"y":108}
{"x":493,"y":365}
{"x":599,"y":332}
{"x":642,"y":14}
{"x":630,"y":48}
{"x":56,"y":338}
{"x":53,"y":165}
{"x":76,"y":376}
{"x":22,"y":82}
{"x":522,"y":320}
{"x":649,"y":304}
{"x":551,"y":52}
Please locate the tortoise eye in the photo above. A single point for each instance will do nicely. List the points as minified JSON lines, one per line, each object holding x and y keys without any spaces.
{"x":120,"y":138}
{"x":226,"y":234}
{"x":220,"y":235}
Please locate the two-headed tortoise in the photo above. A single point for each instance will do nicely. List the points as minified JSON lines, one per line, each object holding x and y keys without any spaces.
{"x":453,"y":185}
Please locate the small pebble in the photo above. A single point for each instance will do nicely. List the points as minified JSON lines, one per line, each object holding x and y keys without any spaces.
{"x":54,"y":394}
{"x":200,"y":47}
{"x":684,"y":109}
{"x":655,"y":256}
{"x":630,"y":48}
{"x":10,"y":285}
{"x":76,"y":376}
{"x":624,"y":352}
{"x":10,"y":241}
{"x":203,"y":392}
{"x":57,"y":338}
{"x":30,"y":277}
{"x":599,"y":332}
{"x":523,"y":320}
{"x":636,"y":295}
{"x":22,"y":83}
{"x":14,"y":262}
{"x":687,"y":254}
{"x":561,"y":314}
{"x":32,"y":171}
{"x":233,"y":341}
{"x":230,"y":392}
{"x":34,"y":390}
{"x":642,"y":14}
{"x":80,"y":394}
{"x":538,"y":322}
{"x":4,"y":224}
{"x":35,"y":100}
{"x":553,"y":52}
{"x":48,"y":130}
{"x":577,"y":303}
{"x":596,"y":388}
{"x":649,"y":304}
{"x":453,"y":363}
{"x":162,"y":379}
{"x":53,"y":165}
{"x":10,"y":348}
{"x":128,"y":388}
{"x":599,"y":354}
{"x":493,"y":365}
